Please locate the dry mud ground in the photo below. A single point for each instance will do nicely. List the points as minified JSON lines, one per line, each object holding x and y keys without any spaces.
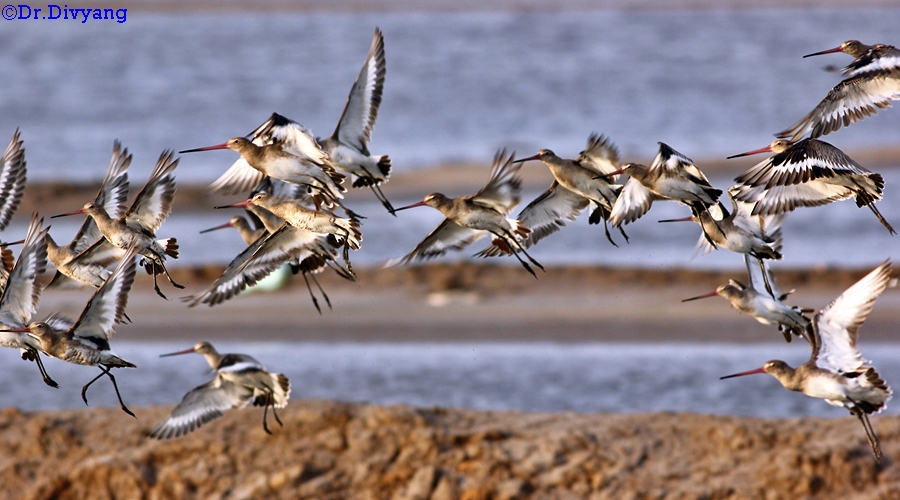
{"x":332,"y":450}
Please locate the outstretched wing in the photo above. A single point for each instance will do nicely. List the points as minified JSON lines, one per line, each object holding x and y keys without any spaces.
{"x":201,"y":405}
{"x":12,"y":179}
{"x":848,"y":102}
{"x":633,"y":202}
{"x":21,"y":296}
{"x":361,"y":110}
{"x":112,"y":196}
{"x":154,"y":203}
{"x":268,"y":253}
{"x":447,"y":236}
{"x":545,"y":215}
{"x":107,"y":306}
{"x":502,"y":191}
{"x":836,"y":327}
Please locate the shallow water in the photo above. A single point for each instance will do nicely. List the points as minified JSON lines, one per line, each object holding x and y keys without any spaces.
{"x":546,"y":377}
{"x":836,"y":235}
{"x":459,"y":85}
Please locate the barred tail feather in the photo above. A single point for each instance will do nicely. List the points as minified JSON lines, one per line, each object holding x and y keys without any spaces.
{"x":384,"y":165}
{"x":281,"y":392}
{"x":170,"y":247}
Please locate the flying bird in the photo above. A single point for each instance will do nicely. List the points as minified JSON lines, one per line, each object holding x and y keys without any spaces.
{"x":468,"y":218}
{"x":872,"y":82}
{"x":807,"y":173}
{"x":348,"y":145}
{"x":240,"y":380}
{"x":836,"y":371}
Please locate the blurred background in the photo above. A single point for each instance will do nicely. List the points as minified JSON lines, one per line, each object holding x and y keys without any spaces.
{"x":709,"y":78}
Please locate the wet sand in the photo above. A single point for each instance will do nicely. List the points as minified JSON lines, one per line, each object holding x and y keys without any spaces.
{"x":471,"y":302}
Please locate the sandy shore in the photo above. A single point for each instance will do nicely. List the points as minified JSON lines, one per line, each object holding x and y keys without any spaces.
{"x":331,"y":450}
{"x":465,"y":302}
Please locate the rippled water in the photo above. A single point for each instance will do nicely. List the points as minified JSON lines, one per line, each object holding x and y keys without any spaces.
{"x":459,"y":85}
{"x":521,"y":376}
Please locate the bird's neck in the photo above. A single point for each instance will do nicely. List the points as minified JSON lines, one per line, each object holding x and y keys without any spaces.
{"x":213,"y":358}
{"x":792,"y":379}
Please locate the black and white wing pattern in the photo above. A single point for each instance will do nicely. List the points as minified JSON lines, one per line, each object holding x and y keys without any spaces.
{"x":12,"y":179}
{"x":267,"y":254}
{"x":201,"y":405}
{"x":22,"y":294}
{"x":107,"y":306}
{"x":633,"y":202}
{"x":852,"y":100}
{"x":502,"y":191}
{"x":836,"y":327}
{"x":294,"y":138}
{"x":447,"y":236}
{"x":355,"y":126}
{"x":154,"y":203}
{"x":801,"y":175}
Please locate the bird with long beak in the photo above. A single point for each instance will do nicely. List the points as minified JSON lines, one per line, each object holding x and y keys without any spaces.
{"x":92,"y":268}
{"x":138,"y":225}
{"x":807,"y":173}
{"x":853,"y":48}
{"x":282,"y":149}
{"x":468,"y":218}
{"x":577,"y":184}
{"x":240,"y":380}
{"x":836,"y":371}
{"x":86,"y":341}
{"x":755,"y":300}
{"x":872,"y":82}
{"x":21,"y":295}
{"x":671,"y":176}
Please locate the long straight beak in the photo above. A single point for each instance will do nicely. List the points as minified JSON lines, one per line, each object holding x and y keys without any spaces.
{"x":12,"y":243}
{"x":829,"y":51}
{"x":77,"y":212}
{"x":705,"y":295}
{"x":242,"y":204}
{"x":419,"y":204}
{"x":186,"y":351}
{"x":224,"y":145}
{"x":683,"y":219}
{"x":751,"y":372}
{"x":767,"y":149}
{"x":616,"y":172}
{"x":223,"y":226}
{"x":535,"y":157}
{"x":17,"y":330}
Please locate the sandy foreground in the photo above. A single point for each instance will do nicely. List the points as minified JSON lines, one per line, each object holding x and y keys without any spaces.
{"x":334,"y":450}
{"x":338,"y":450}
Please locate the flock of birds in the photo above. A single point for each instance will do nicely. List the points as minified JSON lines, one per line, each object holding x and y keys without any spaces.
{"x":296,"y":186}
